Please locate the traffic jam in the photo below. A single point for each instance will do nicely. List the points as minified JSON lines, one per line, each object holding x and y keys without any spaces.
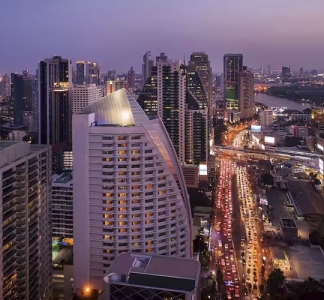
{"x":249,"y":247}
{"x":223,"y":246}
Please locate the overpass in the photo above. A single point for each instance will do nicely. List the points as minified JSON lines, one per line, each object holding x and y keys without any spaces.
{"x":277,"y":152}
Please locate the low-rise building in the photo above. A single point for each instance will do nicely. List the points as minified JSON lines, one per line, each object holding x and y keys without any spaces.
{"x":157,"y":277}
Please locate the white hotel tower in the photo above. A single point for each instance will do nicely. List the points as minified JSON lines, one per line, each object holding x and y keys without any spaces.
{"x":129,"y":190}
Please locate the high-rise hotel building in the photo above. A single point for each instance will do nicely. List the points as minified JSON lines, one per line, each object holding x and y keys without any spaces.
{"x":25,"y":199}
{"x":130,"y":191}
{"x":171,"y":100}
{"x":83,"y":95}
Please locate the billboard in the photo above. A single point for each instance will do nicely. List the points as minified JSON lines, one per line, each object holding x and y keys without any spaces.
{"x":255,"y":128}
{"x":269,"y":140}
{"x":203,"y":170}
{"x":321,"y":166}
{"x":320,"y":147}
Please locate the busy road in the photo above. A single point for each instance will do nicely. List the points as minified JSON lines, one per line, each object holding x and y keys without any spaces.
{"x":223,"y":247}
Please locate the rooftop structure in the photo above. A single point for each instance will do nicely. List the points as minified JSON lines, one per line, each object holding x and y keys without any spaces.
{"x":154,"y":272}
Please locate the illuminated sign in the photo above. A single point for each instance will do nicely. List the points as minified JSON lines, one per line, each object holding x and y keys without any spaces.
{"x":320,"y":147}
{"x":255,"y":128}
{"x":321,"y":166}
{"x":269,"y":140}
{"x":203,"y":170}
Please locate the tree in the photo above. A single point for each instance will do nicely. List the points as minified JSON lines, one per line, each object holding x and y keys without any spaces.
{"x":199,"y":244}
{"x":317,"y":226}
{"x":275,"y":282}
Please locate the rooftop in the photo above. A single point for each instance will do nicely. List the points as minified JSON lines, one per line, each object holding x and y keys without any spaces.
{"x":307,"y":200}
{"x":162,"y":272}
{"x":288,"y":223}
{"x":65,"y":257}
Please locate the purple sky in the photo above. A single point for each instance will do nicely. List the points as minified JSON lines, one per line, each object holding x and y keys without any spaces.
{"x":117,"y":33}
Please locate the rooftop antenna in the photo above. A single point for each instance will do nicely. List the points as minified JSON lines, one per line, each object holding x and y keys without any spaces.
{"x":184,"y":57}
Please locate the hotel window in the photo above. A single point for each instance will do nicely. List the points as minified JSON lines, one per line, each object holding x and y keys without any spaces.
{"x":148,"y":151}
{"x":108,"y":202}
{"x":122,"y":159}
{"x":122,"y":138}
{"x":149,"y":166}
{"x":136,"y":223}
{"x":108,"y":237}
{"x":122,"y":152}
{"x":148,"y":222}
{"x":122,"y":223}
{"x":136,"y":180}
{"x":136,"y":244}
{"x":162,"y":178}
{"x":107,"y":216}
{"x":122,"y":202}
{"x":136,"y":173}
{"x":107,"y":138}
{"x":135,"y":166}
{"x":149,"y":186}
{"x":122,"y":145}
{"x":109,"y":209}
{"x":136,"y":194}
{"x":161,"y":192}
{"x":135,"y":151}
{"x":136,"y":158}
{"x":122,"y":173}
{"x":135,"y":230}
{"x":108,"y":159}
{"x":136,"y":216}
{"x":122,"y":167}
{"x":122,"y":187}
{"x":135,"y":187}
{"x":149,"y":243}
{"x":135,"y":237}
{"x":136,"y":201}
{"x":107,"y":152}
{"x":136,"y":137}
{"x":136,"y":145}
{"x":122,"y":209}
{"x":122,"y":216}
{"x":108,"y":194}
{"x":108,"y":223}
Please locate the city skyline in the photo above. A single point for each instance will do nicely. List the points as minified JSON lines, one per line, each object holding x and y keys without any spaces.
{"x":272,"y":34}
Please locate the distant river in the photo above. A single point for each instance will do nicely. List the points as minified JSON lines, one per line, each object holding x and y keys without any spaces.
{"x":273,"y":101}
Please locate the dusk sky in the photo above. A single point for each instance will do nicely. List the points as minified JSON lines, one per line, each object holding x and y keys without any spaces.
{"x":116,"y":34}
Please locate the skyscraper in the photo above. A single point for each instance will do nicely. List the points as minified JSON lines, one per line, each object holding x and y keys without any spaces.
{"x":202,"y":65}
{"x":196,"y":125}
{"x":148,"y":63}
{"x":233,"y":65}
{"x":26,"y":252}
{"x":130,"y":191}
{"x":5,"y":88}
{"x":22,"y":97}
{"x":148,"y":96}
{"x":54,"y":100}
{"x":246,"y":94}
{"x":285,"y":74}
{"x":87,"y":72}
{"x":171,"y":99}
{"x":131,"y":78}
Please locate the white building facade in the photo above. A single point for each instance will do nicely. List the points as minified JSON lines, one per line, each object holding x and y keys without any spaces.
{"x":266,"y":118}
{"x":130,"y":191}
{"x":83,"y":95}
{"x":25,"y":199}
{"x":62,"y":206}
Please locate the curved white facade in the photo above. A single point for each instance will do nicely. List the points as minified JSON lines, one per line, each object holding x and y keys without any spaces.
{"x":129,"y":191}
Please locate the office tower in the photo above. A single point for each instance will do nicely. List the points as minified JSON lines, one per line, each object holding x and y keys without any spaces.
{"x":301,"y":71}
{"x":62,"y":206}
{"x":26,"y":252}
{"x":161,"y":57}
{"x":148,"y":96}
{"x":314,"y":73}
{"x":148,"y":63}
{"x":171,"y":99}
{"x":269,"y":70}
{"x":130,"y":191}
{"x":202,"y":65}
{"x":266,"y":118}
{"x":35,"y":111}
{"x":54,"y":101}
{"x":285,"y":74}
{"x":131,"y":78}
{"x":155,"y":277}
{"x":196,"y":125}
{"x":246,"y":94}
{"x":115,"y":85}
{"x":5,"y":87}
{"x":62,"y":158}
{"x":87,"y":72}
{"x":233,"y":66}
{"x":22,"y":98}
{"x":83,"y":95}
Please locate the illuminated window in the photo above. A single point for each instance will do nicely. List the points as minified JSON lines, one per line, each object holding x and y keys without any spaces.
{"x":122,"y":159}
{"x":122,"y":145}
{"x":136,"y":187}
{"x":122,"y":216}
{"x":149,"y":215}
{"x":162,"y":178}
{"x":108,"y":237}
{"x":136,"y":158}
{"x":109,"y":194}
{"x":149,"y":243}
{"x":122,"y":138}
{"x":136,"y":223}
{"x":148,"y":222}
{"x":161,"y":192}
{"x":107,"y":216}
{"x":108,"y":223}
{"x":149,"y":186}
{"x":136,"y":201}
{"x":122,"y":152}
{"x":135,"y":229}
{"x":122,"y":173}
{"x":122,"y":201}
{"x":135,"y":237}
{"x":122,"y":223}
{"x":136,"y":194}
{"x":108,"y":159}
{"x":136,"y":180}
{"x":122,"y":209}
{"x":149,"y":250}
{"x":122,"y":195}
{"x":109,"y":209}
{"x":135,"y":151}
{"x":136,"y":173}
{"x":136,"y":244}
